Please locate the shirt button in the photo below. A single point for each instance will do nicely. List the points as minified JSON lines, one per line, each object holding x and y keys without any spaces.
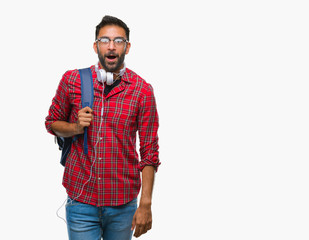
{"x":99,"y":178}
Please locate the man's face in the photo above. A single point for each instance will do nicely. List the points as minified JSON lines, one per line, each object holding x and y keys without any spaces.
{"x":111,"y":55}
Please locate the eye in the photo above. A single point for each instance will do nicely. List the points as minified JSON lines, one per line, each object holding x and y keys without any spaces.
{"x":118,"y":40}
{"x":104,"y":40}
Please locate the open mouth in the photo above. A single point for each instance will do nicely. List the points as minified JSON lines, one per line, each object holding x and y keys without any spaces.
{"x":111,"y":57}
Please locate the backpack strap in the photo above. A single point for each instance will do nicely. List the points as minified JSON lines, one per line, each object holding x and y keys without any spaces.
{"x":87,"y":96}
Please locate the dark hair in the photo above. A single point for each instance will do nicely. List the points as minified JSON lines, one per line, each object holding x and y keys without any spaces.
{"x":109,"y":20}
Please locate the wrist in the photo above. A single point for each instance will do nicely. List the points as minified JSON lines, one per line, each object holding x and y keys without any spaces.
{"x":144,"y":202}
{"x":77,"y":129}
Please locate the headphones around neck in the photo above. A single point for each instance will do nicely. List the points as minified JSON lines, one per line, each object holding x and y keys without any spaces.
{"x":108,"y":77}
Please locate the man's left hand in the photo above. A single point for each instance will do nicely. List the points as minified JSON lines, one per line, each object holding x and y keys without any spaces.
{"x":142,"y":220}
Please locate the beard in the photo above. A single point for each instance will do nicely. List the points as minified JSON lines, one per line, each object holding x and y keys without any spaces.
{"x":111,"y":67}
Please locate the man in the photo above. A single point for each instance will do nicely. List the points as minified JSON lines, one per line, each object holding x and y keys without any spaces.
{"x":103,"y":185}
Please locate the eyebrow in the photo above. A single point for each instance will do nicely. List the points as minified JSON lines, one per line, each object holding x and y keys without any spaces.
{"x":110,"y":38}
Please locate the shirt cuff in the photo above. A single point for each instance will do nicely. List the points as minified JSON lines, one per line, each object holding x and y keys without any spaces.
{"x":48,"y":127}
{"x":143,"y":164}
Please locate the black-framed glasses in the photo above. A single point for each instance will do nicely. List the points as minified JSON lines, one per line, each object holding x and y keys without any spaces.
{"x":118,"y":41}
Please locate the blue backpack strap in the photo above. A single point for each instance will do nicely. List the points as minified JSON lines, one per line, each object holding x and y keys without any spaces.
{"x":87,"y":96}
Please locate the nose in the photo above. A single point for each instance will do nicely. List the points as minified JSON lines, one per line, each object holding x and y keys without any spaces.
{"x":111,"y":45}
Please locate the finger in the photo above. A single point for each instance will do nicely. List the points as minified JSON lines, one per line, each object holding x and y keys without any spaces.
{"x":139,"y":230}
{"x":85,"y":115}
{"x":144,"y":229}
{"x":84,"y":124}
{"x":84,"y":121}
{"x":149,"y":226}
{"x":87,"y":110}
{"x":86,"y":118}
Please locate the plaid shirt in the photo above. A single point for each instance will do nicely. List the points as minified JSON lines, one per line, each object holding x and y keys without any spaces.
{"x":111,"y":170}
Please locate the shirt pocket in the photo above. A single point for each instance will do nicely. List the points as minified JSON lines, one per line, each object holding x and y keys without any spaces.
{"x":121,"y":115}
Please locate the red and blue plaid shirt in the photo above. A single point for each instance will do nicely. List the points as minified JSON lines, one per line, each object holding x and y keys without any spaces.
{"x":110,"y":174}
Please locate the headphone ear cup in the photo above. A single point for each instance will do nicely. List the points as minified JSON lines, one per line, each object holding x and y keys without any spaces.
{"x":99,"y":76}
{"x":109,"y":78}
{"x":102,"y":75}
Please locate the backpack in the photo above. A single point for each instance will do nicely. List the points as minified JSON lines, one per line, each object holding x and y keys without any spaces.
{"x":87,"y":101}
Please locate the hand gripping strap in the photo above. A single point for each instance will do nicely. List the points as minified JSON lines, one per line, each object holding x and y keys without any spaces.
{"x":87,"y":96}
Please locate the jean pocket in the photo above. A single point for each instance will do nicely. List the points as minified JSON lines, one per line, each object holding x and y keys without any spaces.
{"x":132,"y":203}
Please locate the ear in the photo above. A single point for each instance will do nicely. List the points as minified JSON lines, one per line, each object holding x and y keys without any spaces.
{"x":95,"y":47}
{"x":128,"y":47}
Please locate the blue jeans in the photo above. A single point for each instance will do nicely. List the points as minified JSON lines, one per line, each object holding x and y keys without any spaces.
{"x":87,"y":222}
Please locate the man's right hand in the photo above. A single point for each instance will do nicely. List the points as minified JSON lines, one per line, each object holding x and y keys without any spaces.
{"x":66,"y":129}
{"x":85,"y":117}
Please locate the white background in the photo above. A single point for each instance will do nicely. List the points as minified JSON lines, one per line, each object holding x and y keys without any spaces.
{"x":231,"y":82}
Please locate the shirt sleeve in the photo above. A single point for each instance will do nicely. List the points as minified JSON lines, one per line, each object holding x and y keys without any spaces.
{"x":60,"y":107}
{"x":148,"y":124}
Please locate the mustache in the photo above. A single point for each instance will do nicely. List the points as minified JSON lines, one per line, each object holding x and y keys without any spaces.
{"x":111,"y":54}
